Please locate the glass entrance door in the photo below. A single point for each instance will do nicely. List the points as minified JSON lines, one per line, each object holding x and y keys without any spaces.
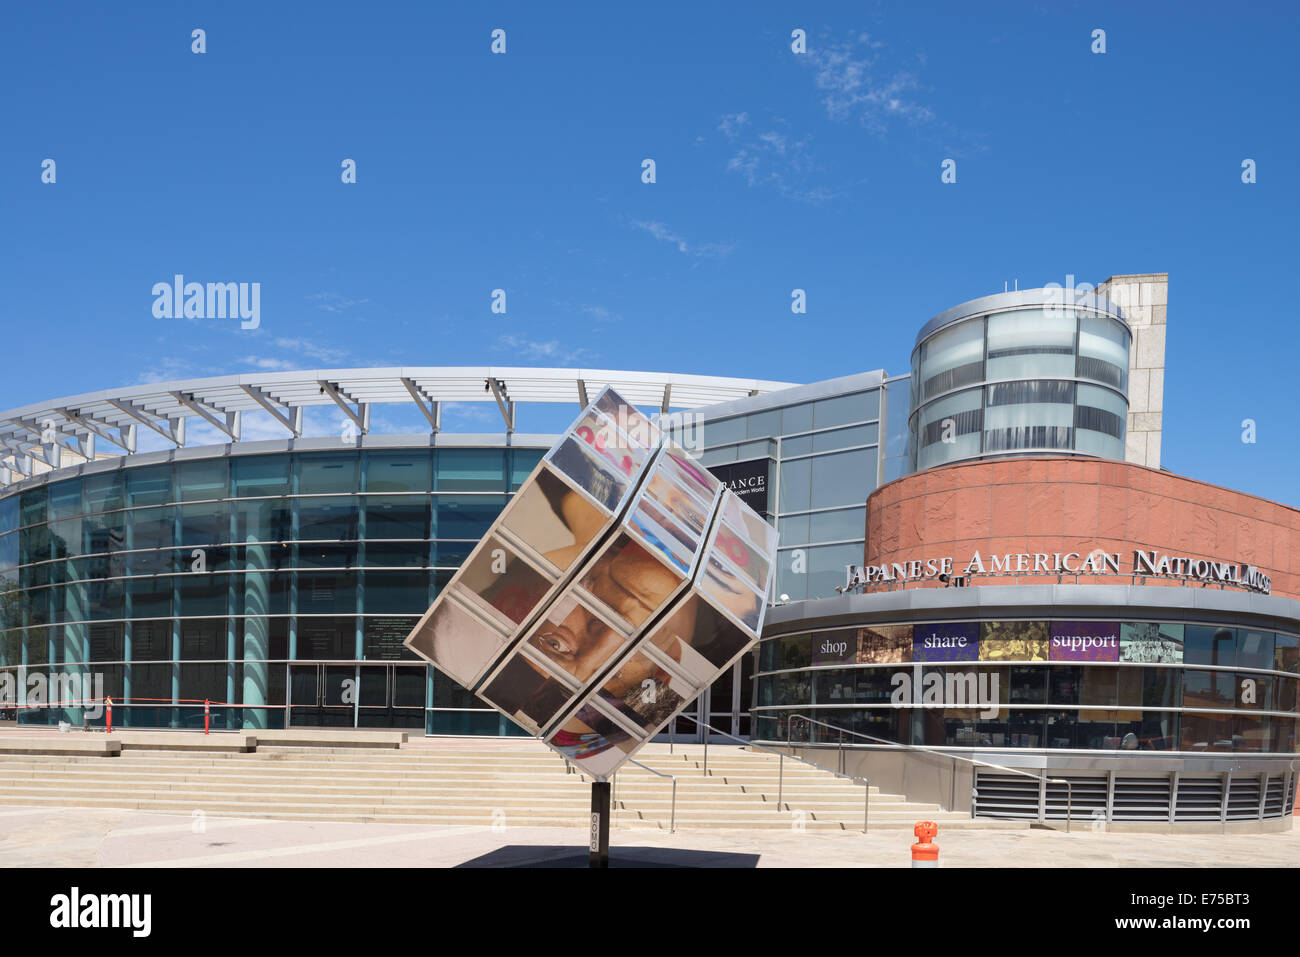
{"x":725,"y":705}
{"x":354,"y":695}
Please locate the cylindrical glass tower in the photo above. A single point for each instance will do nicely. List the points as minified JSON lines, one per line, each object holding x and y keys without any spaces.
{"x":1033,"y":371}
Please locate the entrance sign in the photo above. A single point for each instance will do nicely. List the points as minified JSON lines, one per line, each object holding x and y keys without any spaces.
{"x":620,"y":581}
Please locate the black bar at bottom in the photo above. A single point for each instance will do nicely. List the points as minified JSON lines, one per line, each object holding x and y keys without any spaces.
{"x":598,"y":844}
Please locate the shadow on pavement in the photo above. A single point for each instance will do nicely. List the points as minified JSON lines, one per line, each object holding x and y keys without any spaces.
{"x":524,"y":855}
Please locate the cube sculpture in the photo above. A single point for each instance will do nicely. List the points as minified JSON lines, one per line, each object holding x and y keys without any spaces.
{"x":619,"y":582}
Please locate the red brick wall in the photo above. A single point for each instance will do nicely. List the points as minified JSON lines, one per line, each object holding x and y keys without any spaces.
{"x":1077,"y":505}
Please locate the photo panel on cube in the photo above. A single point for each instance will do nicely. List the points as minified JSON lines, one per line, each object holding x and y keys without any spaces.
{"x":672,"y":497}
{"x":630,"y":580}
{"x":575,"y":638}
{"x":524,"y":691}
{"x":456,"y":639}
{"x":502,"y":582}
{"x":644,"y":692}
{"x":740,"y":516}
{"x":629,"y":419}
{"x":594,"y":741}
{"x":555,"y":519}
{"x":690,"y":472}
{"x":662,"y":535}
{"x":595,"y":478}
{"x":615,"y":450}
{"x":699,"y":639}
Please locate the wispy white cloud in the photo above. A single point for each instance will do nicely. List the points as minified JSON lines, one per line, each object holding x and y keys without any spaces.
{"x":664,"y":234}
{"x":333,"y":302}
{"x":855,"y":85}
{"x":601,"y":314}
{"x":551,"y":351}
{"x":773,"y":159}
{"x":268,"y":364}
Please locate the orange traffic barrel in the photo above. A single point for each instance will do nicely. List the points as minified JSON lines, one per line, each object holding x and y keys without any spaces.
{"x":924,"y":852}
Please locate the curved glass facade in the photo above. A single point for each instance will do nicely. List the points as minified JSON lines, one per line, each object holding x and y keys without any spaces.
{"x":1093,"y":685}
{"x":1036,"y":378}
{"x":260,"y":582}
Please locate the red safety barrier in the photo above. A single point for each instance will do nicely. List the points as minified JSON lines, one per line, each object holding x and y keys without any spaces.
{"x":109,"y":703}
{"x":206,"y":714}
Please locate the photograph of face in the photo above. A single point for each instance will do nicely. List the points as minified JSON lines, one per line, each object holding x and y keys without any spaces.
{"x":593,"y":741}
{"x":576,"y":639}
{"x":700,"y":639}
{"x":554,"y":519}
{"x":609,"y":444}
{"x":504,"y":581}
{"x":526,"y":693}
{"x":691,"y":473}
{"x":456,"y":641}
{"x":639,"y":430}
{"x":631,"y":581}
{"x":644,"y":692}
{"x":750,"y":523}
{"x":673,"y":498}
{"x":743,"y":555}
{"x":664,"y":534}
{"x":731,"y":592}
{"x":602,"y":485}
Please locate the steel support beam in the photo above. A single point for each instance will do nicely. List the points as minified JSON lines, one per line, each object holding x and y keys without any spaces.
{"x":125,"y":434}
{"x":288,"y":416}
{"x":229,"y":423}
{"x":582,"y":394}
{"x":507,"y":407}
{"x":173,"y":430}
{"x":360,"y":418}
{"x":432,"y":412}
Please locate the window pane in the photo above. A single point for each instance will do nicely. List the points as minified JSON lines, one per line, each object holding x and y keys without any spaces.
{"x":260,"y":475}
{"x":149,"y":485}
{"x":393,"y":471}
{"x":403,"y":516}
{"x":1103,"y":351}
{"x":471,"y":470}
{"x":323,"y":473}
{"x":1031,"y":342}
{"x":324,"y":638}
{"x":843,"y":478}
{"x":952,"y":358}
{"x":844,"y":409}
{"x":796,"y":485}
{"x":203,"y":479}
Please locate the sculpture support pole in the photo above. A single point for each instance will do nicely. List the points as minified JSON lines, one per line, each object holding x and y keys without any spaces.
{"x":598,"y":845}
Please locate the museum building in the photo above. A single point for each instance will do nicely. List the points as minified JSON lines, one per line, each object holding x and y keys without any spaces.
{"x":980,"y":558}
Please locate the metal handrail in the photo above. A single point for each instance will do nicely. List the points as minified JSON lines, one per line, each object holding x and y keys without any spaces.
{"x":1069,"y":788}
{"x":781,"y":755}
{"x":673,"y":820}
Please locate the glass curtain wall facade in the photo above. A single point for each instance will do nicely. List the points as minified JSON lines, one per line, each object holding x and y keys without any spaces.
{"x":1173,"y":687}
{"x":277,"y":586}
{"x":1024,"y":377}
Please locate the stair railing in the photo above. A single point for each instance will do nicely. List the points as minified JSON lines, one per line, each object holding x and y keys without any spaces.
{"x":781,"y":756}
{"x":1069,"y":788}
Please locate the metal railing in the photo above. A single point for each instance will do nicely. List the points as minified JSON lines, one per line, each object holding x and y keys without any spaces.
{"x":672,"y":824}
{"x":781,"y":755}
{"x":613,"y":789}
{"x":1069,"y":788}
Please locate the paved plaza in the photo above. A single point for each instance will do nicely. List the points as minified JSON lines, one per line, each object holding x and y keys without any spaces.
{"x":48,"y":837}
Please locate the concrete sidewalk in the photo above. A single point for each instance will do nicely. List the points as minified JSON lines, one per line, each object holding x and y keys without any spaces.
{"x":45,"y":837}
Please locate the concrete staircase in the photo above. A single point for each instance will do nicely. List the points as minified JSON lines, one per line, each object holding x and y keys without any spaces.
{"x":503,"y":783}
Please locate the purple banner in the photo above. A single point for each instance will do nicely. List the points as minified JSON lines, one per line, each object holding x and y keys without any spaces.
{"x":946,"y":642}
{"x":1084,"y":641}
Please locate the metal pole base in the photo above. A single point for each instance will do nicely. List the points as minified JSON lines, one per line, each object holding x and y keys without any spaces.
{"x":598,"y":845}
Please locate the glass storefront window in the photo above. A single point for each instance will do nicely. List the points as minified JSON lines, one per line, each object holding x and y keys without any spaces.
{"x":1209,"y":645}
{"x":104,"y":492}
{"x":149,"y":485}
{"x":327,"y":638}
{"x":398,"y":516}
{"x":1207,"y":689}
{"x":1286,"y":653}
{"x":1254,"y":649}
{"x":465,"y":516}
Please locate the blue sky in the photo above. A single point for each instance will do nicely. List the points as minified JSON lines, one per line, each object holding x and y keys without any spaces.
{"x":775,"y":171}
